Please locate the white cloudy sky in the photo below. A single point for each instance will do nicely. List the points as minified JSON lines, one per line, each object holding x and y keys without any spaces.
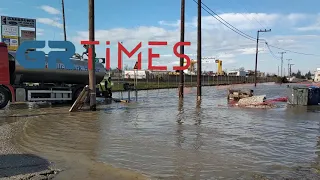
{"x":295,"y":29}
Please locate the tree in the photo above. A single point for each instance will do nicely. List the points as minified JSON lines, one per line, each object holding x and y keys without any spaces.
{"x":308,"y":75}
{"x":298,"y":75}
{"x":126,"y":67}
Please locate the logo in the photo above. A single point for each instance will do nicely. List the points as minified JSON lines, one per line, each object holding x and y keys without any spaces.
{"x":14,"y":41}
{"x":37,"y":58}
{"x":151,"y":55}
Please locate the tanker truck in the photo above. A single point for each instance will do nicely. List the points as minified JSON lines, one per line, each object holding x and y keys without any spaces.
{"x":18,"y":84}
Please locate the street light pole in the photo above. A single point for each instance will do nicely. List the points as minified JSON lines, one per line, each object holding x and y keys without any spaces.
{"x":281,"y":61}
{"x":256,"y":64}
{"x":289,"y":66}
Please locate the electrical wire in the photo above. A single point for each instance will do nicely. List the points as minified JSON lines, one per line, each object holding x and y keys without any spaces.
{"x":246,"y":10}
{"x":273,"y":55}
{"x":244,"y":34}
{"x":228,"y":23}
{"x":240,"y":32}
{"x":307,"y":54}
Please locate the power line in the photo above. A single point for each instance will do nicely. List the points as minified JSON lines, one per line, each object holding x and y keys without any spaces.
{"x":228,"y":23}
{"x":244,"y":34}
{"x":271,"y":52}
{"x":294,"y":51}
{"x":263,"y":27}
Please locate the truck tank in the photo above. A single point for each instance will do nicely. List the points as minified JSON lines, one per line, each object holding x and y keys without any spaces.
{"x":79,"y":75}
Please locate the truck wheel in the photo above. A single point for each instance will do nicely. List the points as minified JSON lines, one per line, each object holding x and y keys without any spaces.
{"x":4,"y":97}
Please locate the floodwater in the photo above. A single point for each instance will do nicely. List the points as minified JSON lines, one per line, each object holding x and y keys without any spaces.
{"x":167,"y":139}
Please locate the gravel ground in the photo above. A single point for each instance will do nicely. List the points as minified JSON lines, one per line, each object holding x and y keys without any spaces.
{"x":15,"y":164}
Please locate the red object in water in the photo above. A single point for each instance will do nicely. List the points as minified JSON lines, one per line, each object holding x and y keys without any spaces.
{"x":281,"y":99}
{"x":267,"y":102}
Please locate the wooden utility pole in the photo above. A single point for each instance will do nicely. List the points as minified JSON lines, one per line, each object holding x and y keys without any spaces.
{"x":64,"y":21}
{"x":257,"y":50}
{"x":92,"y":72}
{"x":181,"y":85}
{"x":199,"y":53}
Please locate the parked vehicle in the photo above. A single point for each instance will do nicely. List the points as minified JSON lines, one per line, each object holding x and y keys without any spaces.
{"x":18,"y":84}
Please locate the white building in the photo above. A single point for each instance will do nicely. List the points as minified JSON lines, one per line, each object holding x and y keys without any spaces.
{"x":237,"y":73}
{"x":317,"y":75}
{"x":139,"y":74}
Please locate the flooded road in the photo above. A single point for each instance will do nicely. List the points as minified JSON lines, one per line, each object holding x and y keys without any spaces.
{"x":167,"y":139}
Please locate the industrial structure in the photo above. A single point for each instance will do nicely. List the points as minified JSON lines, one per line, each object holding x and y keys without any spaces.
{"x":219,"y":64}
{"x":191,"y":69}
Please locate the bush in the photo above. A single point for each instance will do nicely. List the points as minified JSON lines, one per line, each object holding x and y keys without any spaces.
{"x":282,"y":80}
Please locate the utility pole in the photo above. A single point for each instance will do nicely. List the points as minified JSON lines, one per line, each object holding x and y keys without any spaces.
{"x":256,"y":64}
{"x":289,"y":66}
{"x":199,"y":53}
{"x":92,"y":72}
{"x":64,"y":21}
{"x":281,"y":61}
{"x":278,"y":70}
{"x":182,"y":48}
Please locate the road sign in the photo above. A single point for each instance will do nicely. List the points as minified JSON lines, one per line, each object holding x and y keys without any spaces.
{"x":10,"y":30}
{"x":27,"y":35}
{"x":3,"y":20}
{"x":16,"y":21}
{"x":11,"y":41}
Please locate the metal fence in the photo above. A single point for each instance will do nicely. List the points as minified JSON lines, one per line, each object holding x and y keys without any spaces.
{"x":172,"y":81}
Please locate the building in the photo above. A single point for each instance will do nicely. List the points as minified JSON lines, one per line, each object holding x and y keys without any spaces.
{"x":317,"y":75}
{"x":160,"y":72}
{"x":259,"y":74}
{"x":138,"y":74}
{"x":237,"y":73}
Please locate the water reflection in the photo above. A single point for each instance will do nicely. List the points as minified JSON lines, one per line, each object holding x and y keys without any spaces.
{"x":198,"y":113}
{"x":182,"y":139}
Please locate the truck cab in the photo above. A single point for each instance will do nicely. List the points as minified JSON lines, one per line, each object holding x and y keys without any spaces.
{"x":7,"y":69}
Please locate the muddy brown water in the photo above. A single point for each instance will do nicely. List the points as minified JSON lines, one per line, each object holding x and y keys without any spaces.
{"x":165,"y":138}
